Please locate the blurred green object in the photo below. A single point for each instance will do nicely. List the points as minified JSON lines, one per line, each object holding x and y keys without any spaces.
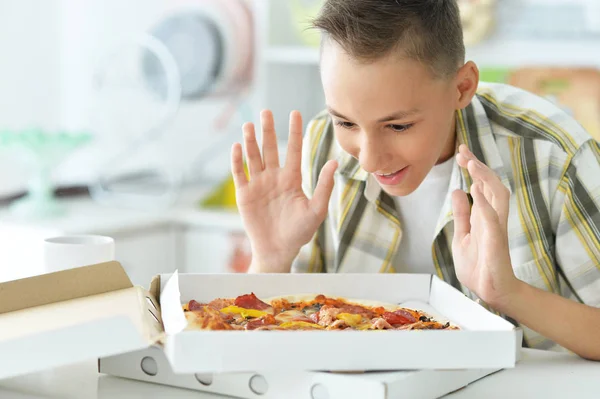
{"x":494,"y":75}
{"x":303,"y":11}
{"x":44,"y":151}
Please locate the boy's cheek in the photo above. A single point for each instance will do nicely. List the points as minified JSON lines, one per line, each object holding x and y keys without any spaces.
{"x":347,"y":143}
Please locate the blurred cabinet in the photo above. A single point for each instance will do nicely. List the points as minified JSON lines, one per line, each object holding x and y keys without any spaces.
{"x":214,"y":251}
{"x":287,"y":76}
{"x":147,"y":252}
{"x":146,"y":242}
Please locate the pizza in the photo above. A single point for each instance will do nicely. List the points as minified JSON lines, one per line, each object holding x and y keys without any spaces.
{"x":305,"y":312}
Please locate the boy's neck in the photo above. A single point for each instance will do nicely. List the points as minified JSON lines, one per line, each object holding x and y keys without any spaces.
{"x":450,"y":147}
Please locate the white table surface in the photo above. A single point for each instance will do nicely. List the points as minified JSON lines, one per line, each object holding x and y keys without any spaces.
{"x":538,"y":375}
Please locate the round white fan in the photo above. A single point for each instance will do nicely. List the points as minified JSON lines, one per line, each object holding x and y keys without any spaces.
{"x":133,"y":109}
{"x":202,"y":49}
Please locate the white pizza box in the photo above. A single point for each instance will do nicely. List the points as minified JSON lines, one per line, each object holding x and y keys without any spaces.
{"x":95,"y":312}
{"x":485,"y":340}
{"x":151,"y":365}
{"x":71,"y":316}
{"x":283,"y":376}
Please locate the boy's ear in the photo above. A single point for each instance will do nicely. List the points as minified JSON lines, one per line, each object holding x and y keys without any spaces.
{"x":467,"y":80}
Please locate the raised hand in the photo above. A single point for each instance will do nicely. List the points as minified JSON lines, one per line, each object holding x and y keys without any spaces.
{"x":278,"y":217}
{"x":480,"y":245}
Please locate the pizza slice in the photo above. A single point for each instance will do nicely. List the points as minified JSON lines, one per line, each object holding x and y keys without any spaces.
{"x":305,"y":312}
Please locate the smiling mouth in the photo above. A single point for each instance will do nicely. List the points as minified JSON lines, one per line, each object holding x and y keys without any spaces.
{"x":390,"y":174}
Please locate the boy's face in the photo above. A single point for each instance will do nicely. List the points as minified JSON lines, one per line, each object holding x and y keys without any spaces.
{"x":392,"y":115}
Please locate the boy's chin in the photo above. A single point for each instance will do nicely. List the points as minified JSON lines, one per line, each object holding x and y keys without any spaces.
{"x":400,"y":190}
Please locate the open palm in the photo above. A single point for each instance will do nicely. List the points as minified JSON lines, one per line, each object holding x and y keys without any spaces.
{"x":480,"y":244}
{"x":278,"y":217}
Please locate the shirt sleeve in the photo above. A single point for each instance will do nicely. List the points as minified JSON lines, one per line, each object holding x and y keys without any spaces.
{"x":311,"y":258}
{"x":577,"y":201}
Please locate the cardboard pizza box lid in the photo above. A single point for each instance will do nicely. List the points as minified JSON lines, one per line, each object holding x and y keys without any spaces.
{"x":71,"y":316}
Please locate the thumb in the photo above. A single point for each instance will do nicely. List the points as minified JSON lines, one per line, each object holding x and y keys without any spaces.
{"x":462,"y":214}
{"x":322,"y":194}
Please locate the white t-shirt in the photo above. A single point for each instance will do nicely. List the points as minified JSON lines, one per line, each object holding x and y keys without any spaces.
{"x":419,"y":214}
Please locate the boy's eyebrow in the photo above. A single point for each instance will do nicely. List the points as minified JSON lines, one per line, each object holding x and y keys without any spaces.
{"x":392,"y":117}
{"x":335,"y":113}
{"x":399,"y":115}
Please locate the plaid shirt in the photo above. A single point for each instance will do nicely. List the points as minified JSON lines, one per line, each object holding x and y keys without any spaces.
{"x":550,"y":164}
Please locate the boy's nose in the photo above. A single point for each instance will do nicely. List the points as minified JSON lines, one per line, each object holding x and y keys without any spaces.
{"x":371,"y":156}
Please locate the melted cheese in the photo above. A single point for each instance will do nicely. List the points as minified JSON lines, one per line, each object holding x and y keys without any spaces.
{"x":289,"y":315}
{"x":245,"y":313}
{"x":355,"y":321}
{"x":350,"y":319}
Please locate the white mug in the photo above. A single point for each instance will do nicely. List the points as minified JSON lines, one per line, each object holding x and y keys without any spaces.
{"x":68,"y":252}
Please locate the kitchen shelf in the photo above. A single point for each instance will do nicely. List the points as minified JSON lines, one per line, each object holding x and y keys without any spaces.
{"x":519,"y":53}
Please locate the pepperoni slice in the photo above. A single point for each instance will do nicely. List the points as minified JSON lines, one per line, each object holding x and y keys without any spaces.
{"x":250,"y":301}
{"x":220,"y":303}
{"x":216,"y":304}
{"x":193,"y":305}
{"x":400,"y":316}
{"x":266,"y":320}
{"x":406,"y":314}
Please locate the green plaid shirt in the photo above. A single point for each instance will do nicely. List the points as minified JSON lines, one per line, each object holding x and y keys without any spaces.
{"x":550,"y":164}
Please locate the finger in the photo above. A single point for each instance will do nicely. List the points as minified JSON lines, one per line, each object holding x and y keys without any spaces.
{"x":294,"y":151}
{"x":255,"y":164}
{"x":462,"y":214}
{"x":496,"y":193}
{"x":480,"y":171}
{"x":466,"y":152}
{"x":475,"y":220}
{"x":269,"y":140}
{"x":489,"y":195}
{"x":320,"y":200}
{"x":481,"y":205}
{"x":237,"y":167}
{"x":462,"y":160}
{"x":464,"y":155}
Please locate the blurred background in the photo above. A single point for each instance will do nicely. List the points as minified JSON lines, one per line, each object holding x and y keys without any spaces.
{"x":117,"y":117}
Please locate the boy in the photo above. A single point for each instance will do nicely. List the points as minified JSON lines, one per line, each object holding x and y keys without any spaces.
{"x":411,"y":141}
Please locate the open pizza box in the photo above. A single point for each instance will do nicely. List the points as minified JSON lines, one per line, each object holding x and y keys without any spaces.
{"x":95,"y":312}
{"x":484,"y":341}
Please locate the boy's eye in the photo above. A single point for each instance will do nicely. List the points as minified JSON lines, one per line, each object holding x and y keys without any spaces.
{"x":345,"y":125}
{"x":400,"y":128}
